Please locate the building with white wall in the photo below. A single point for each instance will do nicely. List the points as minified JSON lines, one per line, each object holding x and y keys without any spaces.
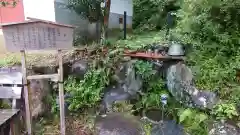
{"x":56,"y":11}
{"x":117,"y":9}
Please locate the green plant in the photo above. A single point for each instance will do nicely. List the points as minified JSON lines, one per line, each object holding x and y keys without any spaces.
{"x":193,"y":121}
{"x":38,"y":127}
{"x":94,"y":11}
{"x":152,"y":97}
{"x":147,"y":128}
{"x":140,"y":40}
{"x":145,"y":69}
{"x":123,"y":106}
{"x":233,"y":95}
{"x":4,"y":105}
{"x":54,"y":107}
{"x":154,"y":12}
{"x":88,"y":9}
{"x":5,"y":3}
{"x":212,"y":28}
{"x":87,"y":92}
{"x":225,"y":111}
{"x":153,"y":89}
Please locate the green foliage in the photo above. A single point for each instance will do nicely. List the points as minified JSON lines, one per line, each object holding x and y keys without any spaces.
{"x":151,"y":14}
{"x":8,"y":3}
{"x":88,"y":9}
{"x":193,"y":121}
{"x":215,"y":21}
{"x":4,"y":105}
{"x":147,"y":128}
{"x":38,"y":127}
{"x":10,"y":60}
{"x":54,"y":107}
{"x":93,"y":11}
{"x":141,"y":40}
{"x":123,"y":106}
{"x":152,"y":97}
{"x":212,"y":27}
{"x":225,"y":111}
{"x":145,"y":69}
{"x":88,"y":92}
{"x":154,"y":86}
{"x":232,"y":95}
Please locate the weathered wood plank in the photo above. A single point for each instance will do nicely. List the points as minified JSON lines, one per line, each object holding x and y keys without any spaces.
{"x":10,"y":78}
{"x":35,"y":77}
{"x":10,"y":69}
{"x":10,"y":92}
{"x":6,"y":115}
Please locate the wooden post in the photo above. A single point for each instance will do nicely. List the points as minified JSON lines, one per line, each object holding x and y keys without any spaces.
{"x":26,"y":94}
{"x":41,"y":35}
{"x":61,"y":93}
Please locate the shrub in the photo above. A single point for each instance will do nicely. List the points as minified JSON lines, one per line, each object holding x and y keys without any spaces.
{"x":88,"y":92}
{"x":151,"y":14}
{"x":212,"y":27}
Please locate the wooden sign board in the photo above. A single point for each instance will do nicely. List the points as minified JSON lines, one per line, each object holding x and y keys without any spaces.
{"x":37,"y":35}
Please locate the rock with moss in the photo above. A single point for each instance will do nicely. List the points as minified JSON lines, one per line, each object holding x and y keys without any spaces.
{"x":181,"y":86}
{"x":128,"y":86}
{"x":79,"y":68}
{"x":167,"y":128}
{"x":223,"y":128}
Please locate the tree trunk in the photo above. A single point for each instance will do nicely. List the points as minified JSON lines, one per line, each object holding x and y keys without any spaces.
{"x":103,"y":33}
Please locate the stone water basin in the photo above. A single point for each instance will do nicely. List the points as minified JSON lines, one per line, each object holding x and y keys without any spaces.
{"x":125,"y":124}
{"x":154,"y":115}
{"x":118,"y":124}
{"x":162,"y":123}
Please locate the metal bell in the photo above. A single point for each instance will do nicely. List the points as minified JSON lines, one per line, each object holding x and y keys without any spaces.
{"x":176,"y":49}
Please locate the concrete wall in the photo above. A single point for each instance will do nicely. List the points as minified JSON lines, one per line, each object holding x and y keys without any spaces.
{"x":117,"y":9}
{"x":119,"y":6}
{"x":114,"y":20}
{"x":66,"y":16}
